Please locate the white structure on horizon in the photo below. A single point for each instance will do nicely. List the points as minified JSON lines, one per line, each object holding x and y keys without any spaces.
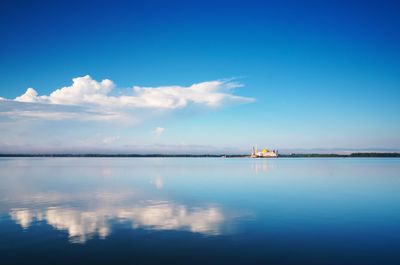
{"x":263,"y":153}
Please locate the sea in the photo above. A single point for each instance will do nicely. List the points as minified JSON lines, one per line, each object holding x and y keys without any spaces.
{"x":199,"y":210}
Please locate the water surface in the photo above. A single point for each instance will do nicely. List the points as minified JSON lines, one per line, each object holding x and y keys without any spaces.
{"x":199,"y":211}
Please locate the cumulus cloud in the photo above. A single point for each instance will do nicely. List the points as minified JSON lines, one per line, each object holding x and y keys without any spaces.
{"x":158,"y":131}
{"x":29,"y":96}
{"x":103,"y":98}
{"x":83,"y":90}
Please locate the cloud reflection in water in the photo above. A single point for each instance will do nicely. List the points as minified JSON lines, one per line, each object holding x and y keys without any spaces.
{"x":82,"y":225}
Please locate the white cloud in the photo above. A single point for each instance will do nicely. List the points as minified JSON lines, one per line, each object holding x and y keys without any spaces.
{"x":83,"y":90}
{"x":158,"y":131}
{"x":29,"y":96}
{"x":212,"y":93}
{"x":102,"y":99}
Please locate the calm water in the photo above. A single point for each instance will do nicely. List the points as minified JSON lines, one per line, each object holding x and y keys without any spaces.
{"x":199,"y":211}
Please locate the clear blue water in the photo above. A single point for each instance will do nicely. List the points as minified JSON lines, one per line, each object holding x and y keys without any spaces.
{"x":199,"y":211}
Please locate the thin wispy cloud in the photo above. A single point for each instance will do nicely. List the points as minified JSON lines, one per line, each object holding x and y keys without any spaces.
{"x":110,"y":139}
{"x":12,"y":109}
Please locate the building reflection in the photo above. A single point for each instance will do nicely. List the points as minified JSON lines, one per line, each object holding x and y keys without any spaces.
{"x":158,"y":182}
{"x":260,"y":166}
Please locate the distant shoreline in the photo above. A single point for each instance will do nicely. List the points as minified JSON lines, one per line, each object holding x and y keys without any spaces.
{"x":293,"y":155}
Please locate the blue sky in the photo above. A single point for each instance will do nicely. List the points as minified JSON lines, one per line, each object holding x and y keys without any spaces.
{"x":291,"y":75}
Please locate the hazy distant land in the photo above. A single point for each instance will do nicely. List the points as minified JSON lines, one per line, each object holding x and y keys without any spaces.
{"x":292,"y":155}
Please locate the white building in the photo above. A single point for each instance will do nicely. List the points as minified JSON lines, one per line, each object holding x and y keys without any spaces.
{"x":263,"y":153}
